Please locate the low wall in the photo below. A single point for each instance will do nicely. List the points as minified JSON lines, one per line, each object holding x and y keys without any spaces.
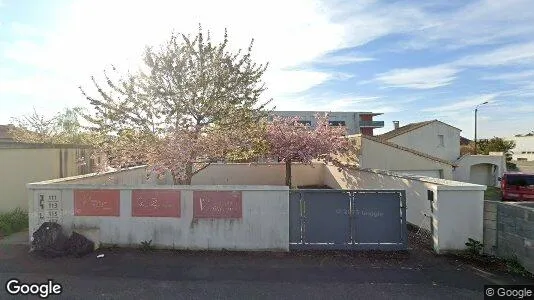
{"x":178,"y":217}
{"x":268,"y":174}
{"x":509,"y":231}
{"x":452,"y":211}
{"x":215,"y":174}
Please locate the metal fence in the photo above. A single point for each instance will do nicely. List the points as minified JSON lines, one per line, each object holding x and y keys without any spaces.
{"x":347,"y":220}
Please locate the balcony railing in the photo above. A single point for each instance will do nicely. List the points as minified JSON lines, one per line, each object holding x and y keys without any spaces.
{"x":377,"y":124}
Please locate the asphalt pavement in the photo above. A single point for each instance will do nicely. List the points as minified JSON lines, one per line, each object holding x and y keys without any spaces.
{"x":134,"y":274}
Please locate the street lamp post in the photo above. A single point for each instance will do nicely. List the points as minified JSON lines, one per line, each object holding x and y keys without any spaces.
{"x":476,"y":111}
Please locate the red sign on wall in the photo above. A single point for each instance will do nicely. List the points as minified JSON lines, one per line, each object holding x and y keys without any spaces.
{"x":156,"y":203}
{"x":97,"y":203}
{"x":217,"y":205}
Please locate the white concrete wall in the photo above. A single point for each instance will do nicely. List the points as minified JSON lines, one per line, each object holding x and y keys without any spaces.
{"x":425,"y":139}
{"x":524,"y":148}
{"x":483,"y":172}
{"x":264,"y":225}
{"x":380,"y":156}
{"x":130,"y":176}
{"x":459,"y":216}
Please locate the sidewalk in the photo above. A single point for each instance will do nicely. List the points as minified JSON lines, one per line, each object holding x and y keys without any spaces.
{"x":19,"y":238}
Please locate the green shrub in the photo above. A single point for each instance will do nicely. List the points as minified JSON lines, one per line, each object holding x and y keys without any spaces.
{"x":13,"y":221}
{"x":147,"y":245}
{"x":515,"y":267}
{"x":474,"y":247}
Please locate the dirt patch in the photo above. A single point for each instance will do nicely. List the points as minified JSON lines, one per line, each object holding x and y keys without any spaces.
{"x":315,"y":187}
{"x":484,"y":262}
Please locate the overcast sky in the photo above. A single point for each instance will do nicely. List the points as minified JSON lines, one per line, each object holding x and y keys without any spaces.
{"x":411,"y":60}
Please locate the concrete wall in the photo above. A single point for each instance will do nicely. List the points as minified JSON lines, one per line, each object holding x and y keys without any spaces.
{"x":524,"y":148}
{"x":267,"y":174}
{"x":425,"y":139}
{"x":480,"y":169}
{"x":264,"y":224}
{"x":509,"y":231}
{"x":525,"y":166}
{"x":454,"y":212}
{"x":380,"y":156}
{"x":215,"y":174}
{"x":20,"y":165}
{"x":453,"y":215}
{"x":459,"y":216}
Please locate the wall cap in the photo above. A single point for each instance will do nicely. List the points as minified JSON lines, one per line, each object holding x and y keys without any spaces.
{"x":158,"y":187}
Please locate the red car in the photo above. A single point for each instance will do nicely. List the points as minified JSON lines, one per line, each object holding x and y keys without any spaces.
{"x":517,"y":187}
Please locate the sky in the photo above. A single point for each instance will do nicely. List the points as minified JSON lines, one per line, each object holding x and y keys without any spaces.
{"x":410,"y":60}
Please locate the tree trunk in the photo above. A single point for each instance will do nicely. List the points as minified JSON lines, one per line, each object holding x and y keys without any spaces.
{"x":288,"y":173}
{"x":188,"y":173}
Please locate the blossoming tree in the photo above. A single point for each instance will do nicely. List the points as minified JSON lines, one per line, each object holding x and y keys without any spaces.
{"x":186,"y":107}
{"x":291,"y":141}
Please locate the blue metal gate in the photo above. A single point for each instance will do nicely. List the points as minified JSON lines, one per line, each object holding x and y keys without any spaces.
{"x":347,"y":219}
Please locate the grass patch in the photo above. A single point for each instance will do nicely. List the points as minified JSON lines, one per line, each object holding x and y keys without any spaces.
{"x":492,"y":193}
{"x":493,"y":263}
{"x":147,"y":246}
{"x":14,"y":221}
{"x":515,"y":267}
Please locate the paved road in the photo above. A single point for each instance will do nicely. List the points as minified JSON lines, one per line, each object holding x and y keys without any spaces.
{"x":127,"y":274}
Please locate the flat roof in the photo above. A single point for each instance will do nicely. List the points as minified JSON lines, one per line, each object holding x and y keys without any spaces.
{"x":17,"y":145}
{"x":328,"y":111}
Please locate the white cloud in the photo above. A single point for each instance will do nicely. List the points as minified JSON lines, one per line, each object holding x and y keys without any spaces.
{"x":419,"y":78}
{"x":282,"y":82}
{"x":339,"y":60}
{"x":523,"y":75}
{"x":329,"y":102}
{"x":22,"y":29}
{"x":483,"y":22}
{"x":442,"y":75}
{"x":78,"y":46}
{"x":463,"y":105}
{"x":508,"y":55}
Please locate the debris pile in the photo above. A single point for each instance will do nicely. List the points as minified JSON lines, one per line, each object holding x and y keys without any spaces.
{"x":50,"y":240}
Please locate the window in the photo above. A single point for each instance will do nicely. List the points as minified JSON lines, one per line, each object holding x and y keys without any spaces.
{"x":430,"y":195}
{"x":306,"y":123}
{"x":441,"y":140}
{"x":336,"y":123}
{"x":520,"y":180}
{"x":524,"y":152}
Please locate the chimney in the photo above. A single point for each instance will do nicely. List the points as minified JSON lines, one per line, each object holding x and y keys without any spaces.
{"x":396,"y":124}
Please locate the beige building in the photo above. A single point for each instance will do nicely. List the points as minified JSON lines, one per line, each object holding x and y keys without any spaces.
{"x":524,"y":148}
{"x":430,"y":148}
{"x":22,"y":163}
{"x":434,"y":138}
{"x":379,"y":154}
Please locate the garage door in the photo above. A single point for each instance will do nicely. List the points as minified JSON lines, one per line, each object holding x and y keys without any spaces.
{"x":427,"y":173}
{"x":481,"y":174}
